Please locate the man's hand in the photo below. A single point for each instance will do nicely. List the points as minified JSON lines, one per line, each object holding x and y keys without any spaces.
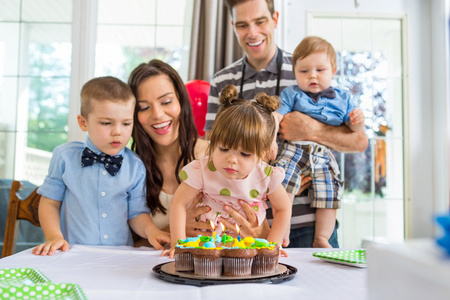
{"x":296,"y":126}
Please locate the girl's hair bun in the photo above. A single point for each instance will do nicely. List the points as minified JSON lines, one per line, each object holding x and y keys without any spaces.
{"x":271,"y":103}
{"x":228,"y":95}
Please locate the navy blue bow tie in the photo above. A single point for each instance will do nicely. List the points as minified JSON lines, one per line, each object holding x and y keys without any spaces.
{"x":112,"y":163}
{"x":328,"y":93}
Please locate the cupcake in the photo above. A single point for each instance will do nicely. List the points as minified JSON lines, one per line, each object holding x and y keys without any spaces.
{"x":237,"y":261}
{"x":207,"y":260}
{"x":183,"y":256}
{"x":266,"y":259}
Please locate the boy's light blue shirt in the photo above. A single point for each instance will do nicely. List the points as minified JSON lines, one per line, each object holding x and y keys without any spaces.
{"x":329,"y":111}
{"x":95,"y":206}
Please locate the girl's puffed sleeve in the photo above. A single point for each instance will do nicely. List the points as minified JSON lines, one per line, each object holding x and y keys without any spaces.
{"x":192,"y":174}
{"x":276,"y":179}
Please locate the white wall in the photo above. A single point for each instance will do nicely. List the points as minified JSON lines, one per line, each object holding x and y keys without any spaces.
{"x":426,"y":117}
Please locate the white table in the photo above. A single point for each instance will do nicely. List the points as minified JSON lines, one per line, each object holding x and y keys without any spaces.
{"x":126,"y":273}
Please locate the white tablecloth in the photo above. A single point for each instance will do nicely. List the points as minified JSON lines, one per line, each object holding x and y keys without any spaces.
{"x":126,"y":273}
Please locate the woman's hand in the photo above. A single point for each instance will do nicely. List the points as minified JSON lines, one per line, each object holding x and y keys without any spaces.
{"x":158,"y":238}
{"x":192,"y":214}
{"x":250,"y":226}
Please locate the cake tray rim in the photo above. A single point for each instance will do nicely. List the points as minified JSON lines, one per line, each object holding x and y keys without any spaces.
{"x":181,"y":278}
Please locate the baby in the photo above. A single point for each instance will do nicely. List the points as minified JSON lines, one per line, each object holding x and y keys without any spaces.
{"x":314,"y":65}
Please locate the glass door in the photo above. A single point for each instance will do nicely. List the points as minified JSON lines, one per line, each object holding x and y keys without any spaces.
{"x":370,"y":65}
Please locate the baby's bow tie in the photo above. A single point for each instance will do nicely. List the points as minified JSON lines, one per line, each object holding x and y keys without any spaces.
{"x":112,"y":163}
{"x":328,"y":93}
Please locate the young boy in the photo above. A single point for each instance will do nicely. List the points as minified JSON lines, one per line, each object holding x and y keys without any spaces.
{"x":314,"y":65}
{"x":95,"y":189}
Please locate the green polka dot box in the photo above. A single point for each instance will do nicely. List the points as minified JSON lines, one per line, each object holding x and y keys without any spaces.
{"x":29,"y":283}
{"x":354,"y":258}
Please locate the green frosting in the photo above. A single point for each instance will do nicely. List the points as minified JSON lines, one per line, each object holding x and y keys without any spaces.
{"x":227,"y":239}
{"x":261,"y":243}
{"x":205,"y":238}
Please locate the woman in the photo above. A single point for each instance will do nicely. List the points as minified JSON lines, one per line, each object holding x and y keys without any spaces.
{"x":166,"y":139}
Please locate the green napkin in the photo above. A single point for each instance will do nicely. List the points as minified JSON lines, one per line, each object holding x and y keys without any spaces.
{"x":355,"y":258}
{"x":29,"y":283}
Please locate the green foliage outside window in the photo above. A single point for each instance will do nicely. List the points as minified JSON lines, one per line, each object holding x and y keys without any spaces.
{"x":49,"y":88}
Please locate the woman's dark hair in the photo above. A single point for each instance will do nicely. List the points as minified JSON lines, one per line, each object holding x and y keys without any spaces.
{"x":143,"y":145}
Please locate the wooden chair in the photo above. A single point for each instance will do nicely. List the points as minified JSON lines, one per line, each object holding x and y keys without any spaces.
{"x":18,"y":209}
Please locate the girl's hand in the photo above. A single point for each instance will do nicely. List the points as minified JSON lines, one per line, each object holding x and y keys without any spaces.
{"x":192,"y":214}
{"x":49,"y":247}
{"x":250,"y":226}
{"x":169,"y":252}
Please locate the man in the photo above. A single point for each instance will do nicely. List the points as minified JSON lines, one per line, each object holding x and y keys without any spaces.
{"x":266,"y":68}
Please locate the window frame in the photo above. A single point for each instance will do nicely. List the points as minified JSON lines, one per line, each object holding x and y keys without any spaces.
{"x":407,"y":207}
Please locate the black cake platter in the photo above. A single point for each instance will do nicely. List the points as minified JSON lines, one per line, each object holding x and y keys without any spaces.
{"x":166,"y":272}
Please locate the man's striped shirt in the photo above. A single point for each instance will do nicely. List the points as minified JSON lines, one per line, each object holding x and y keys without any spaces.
{"x":254,"y":82}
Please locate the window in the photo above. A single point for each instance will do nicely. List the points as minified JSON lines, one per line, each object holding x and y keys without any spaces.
{"x":35,"y":67}
{"x":36,"y":73}
{"x":371,"y":67}
{"x":133,"y":32}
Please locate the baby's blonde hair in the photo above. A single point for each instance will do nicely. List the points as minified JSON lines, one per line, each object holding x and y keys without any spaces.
{"x":313,"y":44}
{"x":249,"y":125}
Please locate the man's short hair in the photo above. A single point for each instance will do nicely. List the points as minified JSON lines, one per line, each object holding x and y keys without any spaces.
{"x":233,"y":3}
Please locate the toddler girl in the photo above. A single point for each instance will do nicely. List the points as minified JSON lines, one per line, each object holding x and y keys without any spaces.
{"x":234,"y":168}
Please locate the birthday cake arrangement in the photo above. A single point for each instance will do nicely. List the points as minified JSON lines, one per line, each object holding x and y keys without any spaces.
{"x":225,"y":256}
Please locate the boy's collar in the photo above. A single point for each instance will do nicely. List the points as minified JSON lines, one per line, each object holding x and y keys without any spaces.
{"x":88,"y":143}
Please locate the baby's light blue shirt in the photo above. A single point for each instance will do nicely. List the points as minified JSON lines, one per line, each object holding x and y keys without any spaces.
{"x":95,"y":206}
{"x":329,"y":111}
